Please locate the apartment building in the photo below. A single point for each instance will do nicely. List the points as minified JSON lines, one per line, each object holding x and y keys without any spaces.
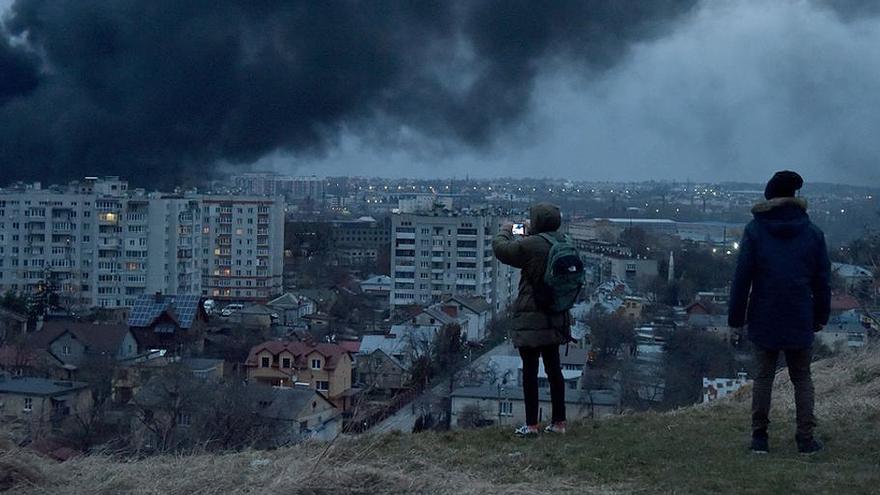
{"x":242,"y":247}
{"x":357,"y":242}
{"x":294,"y":188}
{"x":441,"y":253}
{"x":94,"y":243}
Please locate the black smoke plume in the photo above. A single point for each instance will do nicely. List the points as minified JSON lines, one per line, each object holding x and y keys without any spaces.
{"x":160,"y":91}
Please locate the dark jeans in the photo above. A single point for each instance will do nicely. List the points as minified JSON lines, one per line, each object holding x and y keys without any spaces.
{"x":798,"y":363}
{"x":530,"y":356}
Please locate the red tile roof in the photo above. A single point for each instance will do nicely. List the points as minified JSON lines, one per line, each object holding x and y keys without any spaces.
{"x":844,"y":302}
{"x":331,"y":352}
{"x":352,"y":346}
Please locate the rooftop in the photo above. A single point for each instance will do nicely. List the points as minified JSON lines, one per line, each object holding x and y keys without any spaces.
{"x":148,"y":307}
{"x":20,"y":385}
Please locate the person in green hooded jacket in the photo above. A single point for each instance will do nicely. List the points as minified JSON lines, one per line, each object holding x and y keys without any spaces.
{"x":536,"y":334}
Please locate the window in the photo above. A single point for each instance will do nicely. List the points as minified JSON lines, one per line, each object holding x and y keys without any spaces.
{"x":184,"y":420}
{"x":264,"y":362}
{"x":65,"y":350}
{"x":28,"y":404}
{"x":505,"y":408}
{"x":316,"y":364}
{"x":285,"y":363}
{"x":322,"y":386}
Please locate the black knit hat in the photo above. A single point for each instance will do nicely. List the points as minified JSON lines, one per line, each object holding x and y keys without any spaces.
{"x":783,"y":185}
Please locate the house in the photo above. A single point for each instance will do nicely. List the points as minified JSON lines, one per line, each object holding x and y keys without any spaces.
{"x":844,"y":330}
{"x":716,"y":388}
{"x":379,"y":371}
{"x":402,"y":342}
{"x":175,"y":323}
{"x":133,"y":374}
{"x":42,"y":401}
{"x":324,"y":367}
{"x":508,"y":371}
{"x":499,"y":405}
{"x":378,"y":285}
{"x":717,"y":297}
{"x":12,"y":325}
{"x":73,"y":343}
{"x":854,"y":277}
{"x":255,"y":316}
{"x":292,"y":307}
{"x":715,"y":324}
{"x":702,"y":307}
{"x":20,"y":360}
{"x":632,"y":307}
{"x":475,"y":312}
{"x":317,"y":322}
{"x":297,"y":414}
{"x":843,"y":302}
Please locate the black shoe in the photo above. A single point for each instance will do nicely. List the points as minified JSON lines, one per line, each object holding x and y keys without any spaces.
{"x":760,"y":442}
{"x":808,"y":445}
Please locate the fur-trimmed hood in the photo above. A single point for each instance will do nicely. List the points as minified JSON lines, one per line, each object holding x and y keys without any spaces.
{"x":784,"y":217}
{"x":765,"y":206}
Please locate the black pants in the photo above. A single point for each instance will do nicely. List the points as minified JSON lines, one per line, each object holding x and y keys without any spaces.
{"x":530,"y":357}
{"x":798,"y":363}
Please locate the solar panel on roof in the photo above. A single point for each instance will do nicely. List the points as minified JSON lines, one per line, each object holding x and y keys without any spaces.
{"x":148,"y":307}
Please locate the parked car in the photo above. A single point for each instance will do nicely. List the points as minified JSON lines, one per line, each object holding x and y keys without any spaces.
{"x":231,"y":308}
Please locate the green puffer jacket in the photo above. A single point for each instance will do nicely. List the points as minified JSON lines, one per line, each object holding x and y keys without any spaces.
{"x":531,"y":327}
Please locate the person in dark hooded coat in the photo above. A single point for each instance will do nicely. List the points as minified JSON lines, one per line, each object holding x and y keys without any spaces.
{"x":536,"y":333}
{"x":781,"y":290}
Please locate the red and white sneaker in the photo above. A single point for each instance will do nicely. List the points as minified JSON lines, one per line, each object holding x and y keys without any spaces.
{"x":526,"y":431}
{"x":557,"y":427}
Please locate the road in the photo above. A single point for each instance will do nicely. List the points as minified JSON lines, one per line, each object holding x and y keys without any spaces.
{"x":404,"y":419}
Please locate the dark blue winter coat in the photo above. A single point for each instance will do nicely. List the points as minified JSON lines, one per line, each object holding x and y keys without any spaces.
{"x":781,"y":288}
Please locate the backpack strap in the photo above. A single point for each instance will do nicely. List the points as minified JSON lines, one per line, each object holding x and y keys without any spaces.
{"x":549,"y":238}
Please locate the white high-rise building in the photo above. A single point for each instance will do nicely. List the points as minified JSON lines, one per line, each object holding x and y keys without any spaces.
{"x":440,"y":253}
{"x":96,"y":244}
{"x":242,"y":247}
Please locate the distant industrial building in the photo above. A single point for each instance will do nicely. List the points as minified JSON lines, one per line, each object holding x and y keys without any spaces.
{"x":292,"y":188}
{"x":609,"y":230}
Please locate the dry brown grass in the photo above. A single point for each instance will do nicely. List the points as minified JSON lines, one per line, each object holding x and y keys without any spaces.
{"x":488,"y":461}
{"x":19,"y":468}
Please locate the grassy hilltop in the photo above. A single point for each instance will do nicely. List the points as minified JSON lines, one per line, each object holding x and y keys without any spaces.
{"x":693,"y":450}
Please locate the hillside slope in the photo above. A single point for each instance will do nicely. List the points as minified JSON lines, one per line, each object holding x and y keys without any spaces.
{"x":693,"y":450}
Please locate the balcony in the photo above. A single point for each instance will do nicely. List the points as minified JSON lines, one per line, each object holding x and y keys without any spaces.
{"x":108,"y":218}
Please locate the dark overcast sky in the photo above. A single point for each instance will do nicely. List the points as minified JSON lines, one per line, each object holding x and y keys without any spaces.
{"x":667,"y":89}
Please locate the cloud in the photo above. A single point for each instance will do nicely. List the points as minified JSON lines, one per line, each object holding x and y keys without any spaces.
{"x":162,"y":90}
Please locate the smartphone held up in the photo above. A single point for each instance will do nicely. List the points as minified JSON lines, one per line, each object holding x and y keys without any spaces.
{"x":519,"y":229}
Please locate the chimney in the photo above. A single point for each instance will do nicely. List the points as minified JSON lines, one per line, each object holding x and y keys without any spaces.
{"x":451,"y":310}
